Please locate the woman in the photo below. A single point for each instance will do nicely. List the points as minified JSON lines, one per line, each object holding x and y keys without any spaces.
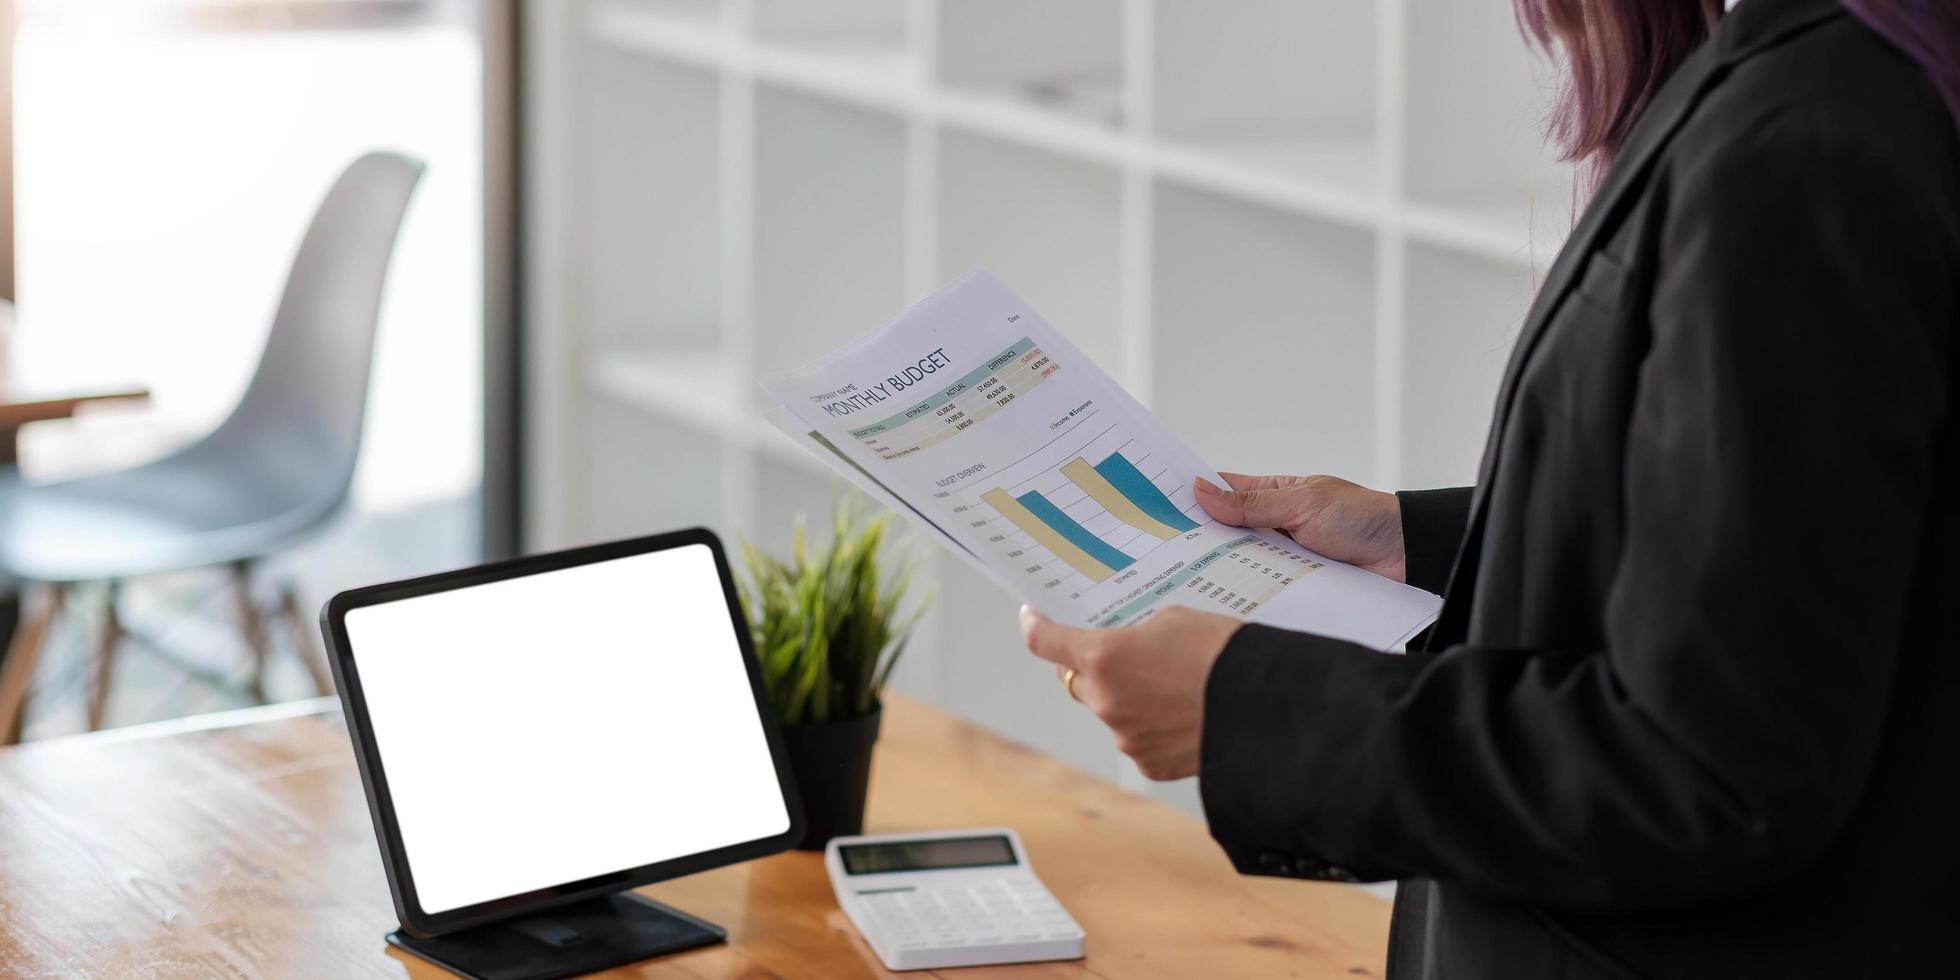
{"x":1692,"y":707}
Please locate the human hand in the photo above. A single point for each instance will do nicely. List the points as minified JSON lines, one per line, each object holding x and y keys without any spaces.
{"x":1326,"y":514}
{"x":1146,"y":681}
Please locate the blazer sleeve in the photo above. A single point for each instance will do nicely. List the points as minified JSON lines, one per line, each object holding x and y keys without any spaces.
{"x":1433,"y":522}
{"x":1780,"y":468}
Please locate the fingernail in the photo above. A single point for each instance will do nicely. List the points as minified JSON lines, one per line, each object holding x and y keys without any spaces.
{"x":1208,"y":488}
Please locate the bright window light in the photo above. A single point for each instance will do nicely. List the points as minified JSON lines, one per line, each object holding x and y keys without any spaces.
{"x":164,"y":180}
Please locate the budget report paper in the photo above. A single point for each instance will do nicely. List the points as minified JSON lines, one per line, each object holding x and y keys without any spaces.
{"x":980,"y":421}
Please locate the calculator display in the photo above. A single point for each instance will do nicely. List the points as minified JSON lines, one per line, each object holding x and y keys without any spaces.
{"x":926,"y":855}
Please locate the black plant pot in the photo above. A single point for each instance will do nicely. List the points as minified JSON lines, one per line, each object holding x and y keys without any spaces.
{"x":832,"y":763}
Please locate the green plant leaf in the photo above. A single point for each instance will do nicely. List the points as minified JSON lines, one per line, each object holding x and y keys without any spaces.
{"x":830,"y":623}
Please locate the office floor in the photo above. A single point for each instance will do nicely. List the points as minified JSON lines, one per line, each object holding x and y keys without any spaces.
{"x":194,"y":615}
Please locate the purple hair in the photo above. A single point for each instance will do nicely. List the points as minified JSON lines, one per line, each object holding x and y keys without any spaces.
{"x":1618,"y":52}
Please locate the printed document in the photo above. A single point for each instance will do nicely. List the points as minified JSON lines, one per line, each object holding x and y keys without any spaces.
{"x":980,"y":421}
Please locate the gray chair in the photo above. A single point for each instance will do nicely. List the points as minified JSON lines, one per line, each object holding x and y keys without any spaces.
{"x":274,"y":471}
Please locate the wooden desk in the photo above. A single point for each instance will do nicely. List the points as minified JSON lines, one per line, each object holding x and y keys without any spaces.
{"x":244,"y":849}
{"x":20,"y":408}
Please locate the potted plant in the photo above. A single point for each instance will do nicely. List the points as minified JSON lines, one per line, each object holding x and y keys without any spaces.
{"x":829,"y":625}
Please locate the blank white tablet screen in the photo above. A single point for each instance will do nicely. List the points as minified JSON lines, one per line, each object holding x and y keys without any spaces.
{"x":549,"y":728}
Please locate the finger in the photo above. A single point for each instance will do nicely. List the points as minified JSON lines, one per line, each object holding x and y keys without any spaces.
{"x":1076,"y":690}
{"x":1247,"y":508}
{"x":1053,"y":642}
{"x":1218,"y":503}
{"x":1241,"y":481}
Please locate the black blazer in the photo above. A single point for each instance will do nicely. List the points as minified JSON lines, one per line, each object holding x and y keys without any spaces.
{"x":1692,"y":707}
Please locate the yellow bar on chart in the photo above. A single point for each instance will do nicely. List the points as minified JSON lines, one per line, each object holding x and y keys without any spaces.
{"x":1083,"y":475}
{"x":1051,"y":539}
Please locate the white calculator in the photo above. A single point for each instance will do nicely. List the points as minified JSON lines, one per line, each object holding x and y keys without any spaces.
{"x":950,"y":898}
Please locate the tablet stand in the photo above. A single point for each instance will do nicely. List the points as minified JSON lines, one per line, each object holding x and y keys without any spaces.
{"x":582,"y":938}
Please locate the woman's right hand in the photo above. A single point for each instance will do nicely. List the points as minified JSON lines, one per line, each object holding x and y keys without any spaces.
{"x":1326,"y":514}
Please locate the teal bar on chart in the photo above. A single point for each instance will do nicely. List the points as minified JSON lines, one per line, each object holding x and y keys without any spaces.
{"x":1076,"y":534}
{"x":1126,"y":478}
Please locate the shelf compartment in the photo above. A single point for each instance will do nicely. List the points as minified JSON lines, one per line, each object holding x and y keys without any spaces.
{"x":650,"y":268}
{"x":1265,"y":329}
{"x":785,"y":492}
{"x":1478,"y":160}
{"x":1065,"y":58}
{"x":679,"y":32}
{"x":1275,"y":86}
{"x":1463,"y":314}
{"x":702,"y":390}
{"x":694,"y":15}
{"x":643,"y":473}
{"x":830,"y":226}
{"x":694,"y":385}
{"x":1051,"y":228}
{"x":871,"y":33}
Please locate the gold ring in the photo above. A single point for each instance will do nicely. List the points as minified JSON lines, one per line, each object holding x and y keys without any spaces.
{"x":1068,"y":684}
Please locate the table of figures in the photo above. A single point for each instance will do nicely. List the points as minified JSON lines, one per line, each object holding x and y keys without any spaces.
{"x":1235,"y":578}
{"x":979,"y":393}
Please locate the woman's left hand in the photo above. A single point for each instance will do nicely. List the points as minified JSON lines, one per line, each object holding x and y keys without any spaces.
{"x":1146,"y":682}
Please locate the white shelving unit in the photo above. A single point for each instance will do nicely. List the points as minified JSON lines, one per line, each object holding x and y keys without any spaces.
{"x":1303,"y":230}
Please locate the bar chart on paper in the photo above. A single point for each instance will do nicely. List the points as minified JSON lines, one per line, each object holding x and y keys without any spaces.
{"x":1092,"y":508}
{"x":1114,"y":485}
{"x":1008,"y":445}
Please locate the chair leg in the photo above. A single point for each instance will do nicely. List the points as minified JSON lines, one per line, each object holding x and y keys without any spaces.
{"x":105,"y":657}
{"x":18,"y":669}
{"x":252,"y":625}
{"x":304,"y":648}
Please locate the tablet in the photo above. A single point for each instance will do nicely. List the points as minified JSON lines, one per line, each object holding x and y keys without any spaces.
{"x":544,"y":730}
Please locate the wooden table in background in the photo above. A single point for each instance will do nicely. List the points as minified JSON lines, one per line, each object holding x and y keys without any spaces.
{"x":21,"y":408}
{"x":239,"y":845}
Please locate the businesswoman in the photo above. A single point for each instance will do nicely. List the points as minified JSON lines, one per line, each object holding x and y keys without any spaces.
{"x":1692,"y":707}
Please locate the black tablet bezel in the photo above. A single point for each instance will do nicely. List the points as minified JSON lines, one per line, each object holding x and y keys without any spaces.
{"x":374,"y":779}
